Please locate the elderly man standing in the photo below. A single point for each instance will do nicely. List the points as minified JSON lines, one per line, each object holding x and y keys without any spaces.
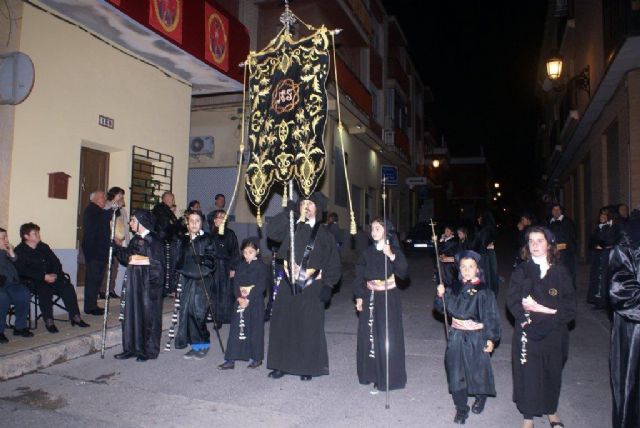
{"x":95,"y":246}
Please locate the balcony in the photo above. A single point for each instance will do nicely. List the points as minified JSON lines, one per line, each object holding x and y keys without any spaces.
{"x":398,"y":74}
{"x":375,"y":68}
{"x":402,"y":142}
{"x":351,"y":86}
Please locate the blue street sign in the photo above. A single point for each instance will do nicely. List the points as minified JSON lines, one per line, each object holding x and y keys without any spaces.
{"x":390,"y":173}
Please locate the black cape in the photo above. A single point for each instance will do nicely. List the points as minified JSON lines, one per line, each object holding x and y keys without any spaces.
{"x":486,"y":235}
{"x":142,"y":295}
{"x":227,"y":257}
{"x":565,"y":232}
{"x":197,"y":288}
{"x":246,"y":333}
{"x":540,"y":348}
{"x":371,"y":363}
{"x":297,"y":342}
{"x":624,"y":296}
{"x":468,"y":366}
{"x":449,"y":248}
{"x":604,"y":236}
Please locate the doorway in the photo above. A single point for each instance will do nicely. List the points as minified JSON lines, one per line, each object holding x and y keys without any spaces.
{"x":94,"y":175}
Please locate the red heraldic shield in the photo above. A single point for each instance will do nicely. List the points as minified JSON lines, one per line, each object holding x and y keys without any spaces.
{"x":165,"y":16}
{"x":216,"y":38}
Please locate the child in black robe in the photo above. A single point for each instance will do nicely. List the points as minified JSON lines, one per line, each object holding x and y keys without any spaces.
{"x":246,"y":334}
{"x":369,"y":292}
{"x":475,"y":328}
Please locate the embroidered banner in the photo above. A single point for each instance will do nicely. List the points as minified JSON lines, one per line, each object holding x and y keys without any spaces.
{"x":166,"y":17}
{"x":216,"y":37}
{"x":288,"y":111}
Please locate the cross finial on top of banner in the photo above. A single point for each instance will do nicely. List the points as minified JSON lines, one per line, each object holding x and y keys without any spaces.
{"x":287,"y":18}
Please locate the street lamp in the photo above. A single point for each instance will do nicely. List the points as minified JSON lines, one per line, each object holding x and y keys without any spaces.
{"x":554,"y":67}
{"x":435,"y":163}
{"x":499,"y":194}
{"x":496,"y":185}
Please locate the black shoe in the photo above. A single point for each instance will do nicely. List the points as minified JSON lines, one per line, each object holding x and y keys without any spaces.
{"x":51,"y":327}
{"x":254,"y":364}
{"x":305,"y":377}
{"x":24,"y":332}
{"x":461,"y":415}
{"x":3,"y":338}
{"x":124,"y":355}
{"x":218,"y":326}
{"x":227,"y":365}
{"x":141,"y":358}
{"x":276,"y":374}
{"x":113,"y":295}
{"x":79,"y":323}
{"x":478,"y":405}
{"x":102,"y":295}
{"x":96,"y":311}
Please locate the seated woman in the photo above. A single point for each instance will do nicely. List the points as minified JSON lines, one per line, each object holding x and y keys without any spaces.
{"x":38,"y":265}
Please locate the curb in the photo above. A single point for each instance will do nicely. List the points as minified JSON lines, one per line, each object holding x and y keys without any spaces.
{"x":31,"y":360}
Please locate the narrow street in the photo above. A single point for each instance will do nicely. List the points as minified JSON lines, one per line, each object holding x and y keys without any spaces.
{"x":172,"y":391}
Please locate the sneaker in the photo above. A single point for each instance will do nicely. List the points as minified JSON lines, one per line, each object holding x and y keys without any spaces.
{"x":3,"y":338}
{"x":199,"y":355}
{"x":191,"y":354}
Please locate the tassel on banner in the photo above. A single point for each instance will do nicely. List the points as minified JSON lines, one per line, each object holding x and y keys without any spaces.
{"x":352,"y":225}
{"x":221,"y":227}
{"x":259,"y":218}
{"x":284,"y":196}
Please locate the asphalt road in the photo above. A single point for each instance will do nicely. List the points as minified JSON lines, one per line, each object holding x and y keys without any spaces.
{"x":174,"y":392}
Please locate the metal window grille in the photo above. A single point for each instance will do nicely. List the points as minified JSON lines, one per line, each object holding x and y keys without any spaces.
{"x":151,"y":176}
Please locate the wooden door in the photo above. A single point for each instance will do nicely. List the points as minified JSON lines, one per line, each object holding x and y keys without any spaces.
{"x":94,"y":175}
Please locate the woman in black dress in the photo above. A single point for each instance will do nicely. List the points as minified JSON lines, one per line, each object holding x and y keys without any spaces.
{"x":542,"y":300}
{"x":369,"y":292}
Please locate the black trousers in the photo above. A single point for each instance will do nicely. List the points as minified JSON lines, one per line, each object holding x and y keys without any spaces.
{"x":61,"y":288}
{"x":460,"y":398}
{"x":94,"y":273}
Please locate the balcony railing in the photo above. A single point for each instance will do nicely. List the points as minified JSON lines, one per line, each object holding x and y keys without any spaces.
{"x":398,"y":74}
{"x":351,"y":85}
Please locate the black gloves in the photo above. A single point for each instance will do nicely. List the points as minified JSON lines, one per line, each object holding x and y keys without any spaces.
{"x":325,"y":294}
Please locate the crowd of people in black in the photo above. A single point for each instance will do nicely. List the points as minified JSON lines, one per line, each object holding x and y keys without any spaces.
{"x":196,"y":259}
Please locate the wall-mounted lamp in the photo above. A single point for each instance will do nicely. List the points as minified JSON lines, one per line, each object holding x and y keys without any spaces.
{"x":435,"y":163}
{"x":554,"y":72}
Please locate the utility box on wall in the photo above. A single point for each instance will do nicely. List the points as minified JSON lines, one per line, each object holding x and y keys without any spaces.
{"x":58,"y":185}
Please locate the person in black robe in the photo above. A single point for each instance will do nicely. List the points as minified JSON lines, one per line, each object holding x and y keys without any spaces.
{"x":246,"y":333}
{"x":603,"y":238}
{"x":142,"y":290}
{"x":384,"y":256}
{"x":624,"y":301}
{"x":167,"y":228}
{"x":448,"y":247}
{"x":526,"y":220}
{"x":227,"y":258}
{"x":475,"y":329}
{"x":297,"y":342}
{"x":542,"y":300}
{"x":196,"y":266}
{"x":564,"y":230}
{"x":464,"y":243}
{"x":484,"y":244}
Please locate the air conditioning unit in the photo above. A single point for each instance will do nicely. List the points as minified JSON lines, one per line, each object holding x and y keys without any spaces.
{"x":201,"y":146}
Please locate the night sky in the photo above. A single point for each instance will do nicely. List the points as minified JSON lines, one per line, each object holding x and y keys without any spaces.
{"x":480,"y":59}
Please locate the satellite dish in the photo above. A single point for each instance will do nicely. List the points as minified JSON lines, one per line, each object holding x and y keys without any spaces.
{"x":16,"y":77}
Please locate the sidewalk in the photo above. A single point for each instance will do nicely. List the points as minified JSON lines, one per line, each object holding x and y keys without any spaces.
{"x":24,"y":355}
